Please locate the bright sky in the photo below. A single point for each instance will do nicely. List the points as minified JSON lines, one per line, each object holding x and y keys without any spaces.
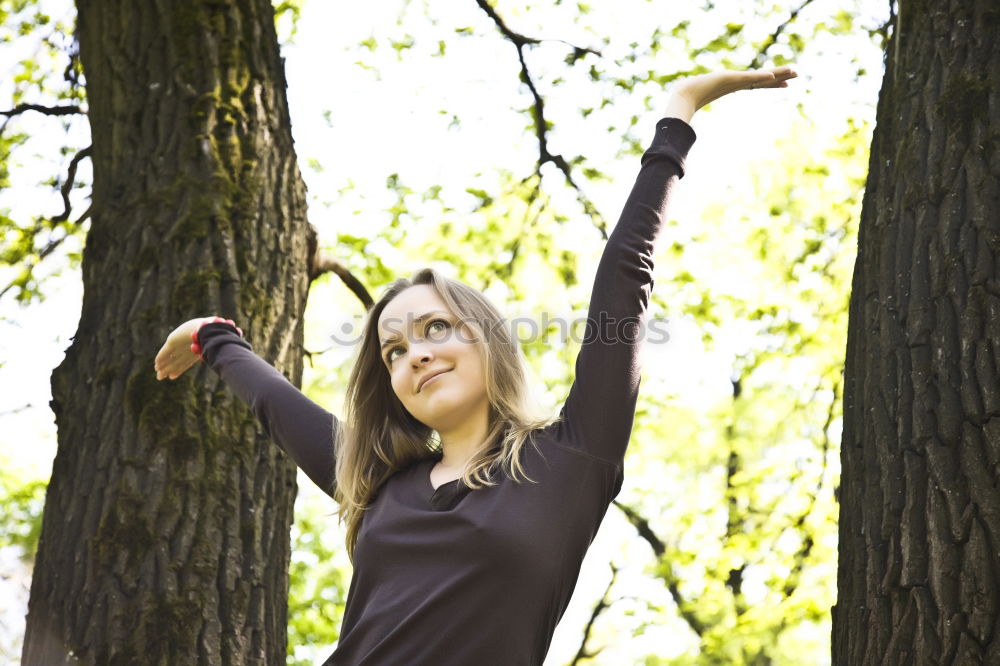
{"x":377,"y":126}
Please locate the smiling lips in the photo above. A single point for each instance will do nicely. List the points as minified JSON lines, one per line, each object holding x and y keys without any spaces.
{"x":428,"y":378}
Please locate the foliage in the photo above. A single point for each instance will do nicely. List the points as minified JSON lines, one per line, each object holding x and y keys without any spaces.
{"x":22,"y":513}
{"x":45,"y":71}
{"x":317,"y":580}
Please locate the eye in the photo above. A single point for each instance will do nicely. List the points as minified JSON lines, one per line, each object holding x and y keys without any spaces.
{"x":445,"y":325}
{"x":389,"y":354}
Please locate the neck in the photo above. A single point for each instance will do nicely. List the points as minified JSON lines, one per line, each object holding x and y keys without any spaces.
{"x":461,"y":442}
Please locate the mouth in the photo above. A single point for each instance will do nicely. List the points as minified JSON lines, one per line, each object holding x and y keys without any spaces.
{"x":425,"y":380}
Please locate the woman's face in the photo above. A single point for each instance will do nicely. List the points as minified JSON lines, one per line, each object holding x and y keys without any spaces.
{"x":420,"y":338}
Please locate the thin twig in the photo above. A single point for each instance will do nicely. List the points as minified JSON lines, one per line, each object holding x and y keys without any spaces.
{"x":67,"y":186}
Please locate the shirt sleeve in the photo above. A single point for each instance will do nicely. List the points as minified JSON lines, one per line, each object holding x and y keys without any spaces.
{"x":302,"y":428}
{"x":599,"y":410}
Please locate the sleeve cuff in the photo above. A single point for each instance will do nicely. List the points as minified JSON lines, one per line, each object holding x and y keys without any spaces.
{"x":673,"y":140}
{"x":216,"y":334}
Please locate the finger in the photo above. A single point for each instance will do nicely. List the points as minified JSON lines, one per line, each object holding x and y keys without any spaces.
{"x":784,"y":73}
{"x":168,"y":367}
{"x":768,"y":84}
{"x":776,"y":82}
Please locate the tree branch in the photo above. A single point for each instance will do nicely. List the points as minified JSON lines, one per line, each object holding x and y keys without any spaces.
{"x":64,"y":190}
{"x":799,"y":559}
{"x":773,"y":38}
{"x":538,"y":113}
{"x":664,"y":569}
{"x":602,"y":604}
{"x":65,"y":110}
{"x":323,"y":263}
{"x":520,"y":40}
{"x":734,"y":580}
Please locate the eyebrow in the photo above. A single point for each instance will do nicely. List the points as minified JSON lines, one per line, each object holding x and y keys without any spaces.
{"x":418,"y":320}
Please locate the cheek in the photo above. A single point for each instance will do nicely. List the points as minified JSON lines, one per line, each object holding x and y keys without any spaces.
{"x":473,"y":364}
{"x":396,"y":383}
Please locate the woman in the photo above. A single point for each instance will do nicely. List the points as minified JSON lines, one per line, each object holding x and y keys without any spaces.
{"x":468,"y":516}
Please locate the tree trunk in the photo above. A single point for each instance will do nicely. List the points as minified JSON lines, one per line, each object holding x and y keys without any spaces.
{"x":919,"y":572}
{"x":165,"y":538}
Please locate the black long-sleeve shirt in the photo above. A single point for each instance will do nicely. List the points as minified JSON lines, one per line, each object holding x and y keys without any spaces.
{"x":452,"y":576}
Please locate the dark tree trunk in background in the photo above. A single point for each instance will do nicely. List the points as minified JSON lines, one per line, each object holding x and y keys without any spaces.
{"x":919,"y":572}
{"x":165,"y":538}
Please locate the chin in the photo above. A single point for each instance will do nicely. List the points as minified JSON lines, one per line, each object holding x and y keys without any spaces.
{"x":444,"y":413}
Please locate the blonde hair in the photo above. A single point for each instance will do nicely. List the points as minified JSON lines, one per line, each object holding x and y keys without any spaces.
{"x":382,"y":438}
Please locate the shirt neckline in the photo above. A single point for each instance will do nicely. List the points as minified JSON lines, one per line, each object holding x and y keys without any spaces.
{"x":426,"y":475}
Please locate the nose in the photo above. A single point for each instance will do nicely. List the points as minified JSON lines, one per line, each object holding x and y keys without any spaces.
{"x":420,"y":354}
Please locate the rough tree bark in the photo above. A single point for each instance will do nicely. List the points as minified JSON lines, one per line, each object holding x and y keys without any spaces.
{"x":919,"y":572}
{"x":165,"y":537}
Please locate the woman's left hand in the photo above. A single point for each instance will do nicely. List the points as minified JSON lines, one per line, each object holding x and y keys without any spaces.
{"x":689,"y":95}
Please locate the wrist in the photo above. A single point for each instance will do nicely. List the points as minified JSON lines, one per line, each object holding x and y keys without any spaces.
{"x":680,"y":106}
{"x":195,"y":345}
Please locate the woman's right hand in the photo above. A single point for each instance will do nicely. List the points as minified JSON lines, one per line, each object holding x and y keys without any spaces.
{"x":175,"y":356}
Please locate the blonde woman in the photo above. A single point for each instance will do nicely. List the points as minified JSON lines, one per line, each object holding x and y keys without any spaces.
{"x":468,"y":515}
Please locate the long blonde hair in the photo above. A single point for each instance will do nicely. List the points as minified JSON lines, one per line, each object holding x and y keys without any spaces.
{"x":380,"y":437}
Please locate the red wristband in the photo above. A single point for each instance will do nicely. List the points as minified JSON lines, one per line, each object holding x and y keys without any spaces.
{"x":195,"y":347}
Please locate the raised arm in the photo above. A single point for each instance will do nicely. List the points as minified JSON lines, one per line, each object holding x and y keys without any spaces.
{"x":303,"y":429}
{"x":599,"y":411}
